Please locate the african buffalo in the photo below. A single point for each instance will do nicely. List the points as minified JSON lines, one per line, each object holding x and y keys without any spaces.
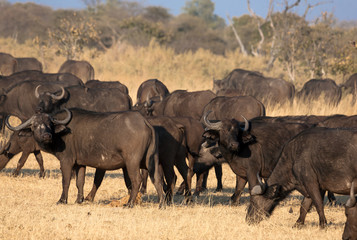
{"x":180,"y":103}
{"x":8,"y":64}
{"x":350,"y":232}
{"x":172,"y":151}
{"x":21,"y":142}
{"x":249,"y":149}
{"x":149,"y":89}
{"x":314,"y":161}
{"x":338,"y":121}
{"x":81,"y":69}
{"x":105,"y":141}
{"x":105,"y":84}
{"x":350,"y":86}
{"x":33,"y":75}
{"x":18,"y":100}
{"x":92,"y":99}
{"x":24,"y":64}
{"x":265,"y":89}
{"x":316,"y":88}
{"x":234,"y":107}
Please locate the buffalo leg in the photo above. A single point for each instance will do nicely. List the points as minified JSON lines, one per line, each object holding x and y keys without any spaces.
{"x":183,"y":169}
{"x":317,"y":199}
{"x":80,"y":179}
{"x":144,"y":183}
{"x":39,"y":160}
{"x":135,"y":180}
{"x":66,"y":170}
{"x":157,"y":178}
{"x":218,"y":170}
{"x":21,"y":163}
{"x":98,"y":178}
{"x":304,"y":209}
{"x":199,"y":182}
{"x":240,"y":184}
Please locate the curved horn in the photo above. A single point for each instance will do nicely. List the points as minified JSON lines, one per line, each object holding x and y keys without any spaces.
{"x":64,"y":121}
{"x":37,"y":94}
{"x":246,"y":124}
{"x":55,"y":97}
{"x":262,"y":185}
{"x":214,"y":126}
{"x":21,"y":126}
{"x":351,"y":202}
{"x":148,"y":102}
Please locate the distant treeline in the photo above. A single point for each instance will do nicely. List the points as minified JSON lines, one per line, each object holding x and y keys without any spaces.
{"x":283,"y":36}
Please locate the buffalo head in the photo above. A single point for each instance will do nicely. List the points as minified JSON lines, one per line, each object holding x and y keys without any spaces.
{"x":47,"y":99}
{"x":43,"y":126}
{"x":350,"y":231}
{"x":228,"y":133}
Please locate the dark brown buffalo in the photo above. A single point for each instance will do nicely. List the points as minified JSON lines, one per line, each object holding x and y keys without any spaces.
{"x":107,"y":84}
{"x":265,"y":89}
{"x":350,"y":232}
{"x":8,"y":64}
{"x":24,"y":64}
{"x":250,"y":149}
{"x":149,"y":89}
{"x":234,"y":107}
{"x":181,"y":103}
{"x":338,"y":121}
{"x":81,"y":69}
{"x":21,"y":142}
{"x":233,"y":79}
{"x":316,"y":88}
{"x":172,"y":152}
{"x":350,"y":86}
{"x":20,"y":99}
{"x":314,"y":161}
{"x":105,"y":141}
{"x":33,"y":75}
{"x":92,"y":99}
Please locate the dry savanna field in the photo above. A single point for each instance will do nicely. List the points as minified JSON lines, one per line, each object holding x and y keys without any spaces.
{"x":28,"y":203}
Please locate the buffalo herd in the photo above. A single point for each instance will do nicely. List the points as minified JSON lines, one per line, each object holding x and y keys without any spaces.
{"x":87,"y":122}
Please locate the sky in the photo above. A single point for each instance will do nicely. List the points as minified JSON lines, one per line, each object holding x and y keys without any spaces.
{"x":344,"y":10}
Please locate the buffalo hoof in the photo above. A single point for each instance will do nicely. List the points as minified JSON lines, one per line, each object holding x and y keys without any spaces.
{"x":218,"y":189}
{"x":62,"y":201}
{"x":143,"y":191}
{"x":80,"y":200}
{"x":42,"y":175}
{"x":128,"y":205}
{"x":298,"y":225}
{"x":89,"y":199}
{"x":235,"y":203}
{"x":15,"y":174}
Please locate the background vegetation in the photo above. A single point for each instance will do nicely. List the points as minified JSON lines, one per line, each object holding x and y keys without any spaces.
{"x":131,"y":43}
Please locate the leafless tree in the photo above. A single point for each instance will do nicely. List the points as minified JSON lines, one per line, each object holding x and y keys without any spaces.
{"x":241,"y":45}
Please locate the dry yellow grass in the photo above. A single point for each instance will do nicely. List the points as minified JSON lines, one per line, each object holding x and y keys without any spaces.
{"x":28,"y":204}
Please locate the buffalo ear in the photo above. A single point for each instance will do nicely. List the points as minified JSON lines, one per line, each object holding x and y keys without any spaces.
{"x":25,"y":133}
{"x":272,"y":191}
{"x":60,"y":128}
{"x":211,"y":134}
{"x":247,"y":138}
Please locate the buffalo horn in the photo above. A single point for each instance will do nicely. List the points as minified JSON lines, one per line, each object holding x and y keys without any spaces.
{"x":262,"y":185}
{"x":21,"y":126}
{"x":55,"y":97}
{"x":246,"y":124}
{"x":214,"y":126}
{"x":352,"y":200}
{"x":64,"y":121}
{"x":36,"y":91}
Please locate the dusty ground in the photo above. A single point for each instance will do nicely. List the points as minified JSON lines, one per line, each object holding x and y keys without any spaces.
{"x":29,"y":211}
